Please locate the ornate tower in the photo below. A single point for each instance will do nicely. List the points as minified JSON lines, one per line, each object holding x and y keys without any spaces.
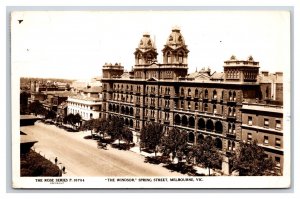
{"x":241,"y":70}
{"x":175,"y":51}
{"x":175,"y":55}
{"x":145,"y":55}
{"x":110,"y":70}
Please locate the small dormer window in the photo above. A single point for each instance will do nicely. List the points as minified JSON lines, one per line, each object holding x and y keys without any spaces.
{"x":168,"y":57}
{"x":149,"y":58}
{"x":180,"y":57}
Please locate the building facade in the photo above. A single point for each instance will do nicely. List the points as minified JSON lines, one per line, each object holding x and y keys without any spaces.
{"x":87,"y":104}
{"x":264,"y":123}
{"x":202,"y":104}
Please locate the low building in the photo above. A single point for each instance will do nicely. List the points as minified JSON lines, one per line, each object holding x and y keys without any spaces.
{"x":264,"y":123}
{"x":87,"y":104}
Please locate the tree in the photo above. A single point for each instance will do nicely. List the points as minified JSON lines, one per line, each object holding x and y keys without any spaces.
{"x":127,"y":135}
{"x":251,"y":160}
{"x":115,"y":128}
{"x":88,"y":125}
{"x":51,"y":115}
{"x":72,"y":119}
{"x":77,"y":119}
{"x":37,"y":108}
{"x":175,"y":143}
{"x":151,"y":135}
{"x":102,"y":126}
{"x":207,"y":154}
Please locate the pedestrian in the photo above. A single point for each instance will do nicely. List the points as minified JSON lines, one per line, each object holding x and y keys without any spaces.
{"x":55,"y":160}
{"x":63,"y":169}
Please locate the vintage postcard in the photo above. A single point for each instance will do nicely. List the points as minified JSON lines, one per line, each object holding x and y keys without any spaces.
{"x":151,"y":99}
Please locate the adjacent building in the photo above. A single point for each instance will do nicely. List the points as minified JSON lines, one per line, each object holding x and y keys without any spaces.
{"x":264,"y":123}
{"x":87,"y":104}
{"x":202,"y":104}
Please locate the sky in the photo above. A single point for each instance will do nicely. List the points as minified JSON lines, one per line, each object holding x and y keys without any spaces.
{"x":76,"y":44}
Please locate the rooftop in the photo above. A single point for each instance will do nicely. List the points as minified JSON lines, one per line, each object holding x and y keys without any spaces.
{"x":59,"y":93}
{"x":95,"y":89}
{"x":263,"y":107}
{"x":85,"y":98}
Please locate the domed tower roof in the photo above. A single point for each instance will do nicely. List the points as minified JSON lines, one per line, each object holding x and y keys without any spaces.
{"x":146,"y":42}
{"x":175,"y":38}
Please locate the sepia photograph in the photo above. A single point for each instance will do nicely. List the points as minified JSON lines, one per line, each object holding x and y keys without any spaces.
{"x":151,"y":99}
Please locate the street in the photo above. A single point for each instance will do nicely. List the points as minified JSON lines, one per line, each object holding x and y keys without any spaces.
{"x":81,"y":157}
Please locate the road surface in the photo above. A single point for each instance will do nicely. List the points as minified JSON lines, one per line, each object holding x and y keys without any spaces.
{"x":81,"y":157}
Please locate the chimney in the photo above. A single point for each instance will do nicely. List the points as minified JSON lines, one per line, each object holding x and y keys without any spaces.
{"x":265,"y":73}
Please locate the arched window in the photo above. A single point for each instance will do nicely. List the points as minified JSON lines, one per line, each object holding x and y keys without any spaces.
{"x":230,"y":96}
{"x":180,"y":57}
{"x":201,"y":124}
{"x":191,"y":137}
{"x":131,"y":111}
{"x":234,"y":96}
{"x":209,"y":125}
{"x":177,"y":119}
{"x":229,"y":128}
{"x":140,"y":59}
{"x":182,"y":92}
{"x":169,"y":61}
{"x":229,"y":111}
{"x":122,"y":109}
{"x":189,"y":92}
{"x":205,"y":107}
{"x":218,"y":143}
{"x":196,"y":93}
{"x":219,"y":127}
{"x":182,"y":104}
{"x":149,"y":58}
{"x":206,"y":94}
{"x":184,"y":121}
{"x":192,"y":122}
{"x":231,"y":145}
{"x":196,"y":106}
{"x":131,"y":123}
{"x":189,"y":105}
{"x":214,"y":109}
{"x":215,"y":94}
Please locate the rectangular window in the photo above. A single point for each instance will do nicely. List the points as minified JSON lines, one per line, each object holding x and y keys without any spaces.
{"x":266,"y":122}
{"x":278,"y":124}
{"x":249,"y":120}
{"x":249,"y":137}
{"x":277,"y":161}
{"x":277,"y":142}
{"x":266,"y":140}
